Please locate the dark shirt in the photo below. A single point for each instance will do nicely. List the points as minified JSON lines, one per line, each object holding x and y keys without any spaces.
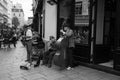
{"x":38,"y":42}
{"x":53,"y":46}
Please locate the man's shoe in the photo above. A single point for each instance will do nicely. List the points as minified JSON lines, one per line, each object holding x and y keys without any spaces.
{"x":36,"y":65}
{"x":69,"y":68}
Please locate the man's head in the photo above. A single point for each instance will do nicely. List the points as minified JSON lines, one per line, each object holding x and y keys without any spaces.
{"x":66,"y":28}
{"x":52,"y":38}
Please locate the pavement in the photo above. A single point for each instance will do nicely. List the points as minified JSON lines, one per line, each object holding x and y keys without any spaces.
{"x":11,"y":58}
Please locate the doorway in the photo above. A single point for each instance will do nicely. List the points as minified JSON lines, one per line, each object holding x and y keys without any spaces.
{"x":105,"y":50}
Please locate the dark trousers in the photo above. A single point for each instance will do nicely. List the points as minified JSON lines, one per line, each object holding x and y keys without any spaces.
{"x":48,"y":56}
{"x":40,"y":57}
{"x":29,"y":50}
{"x":51,"y":55}
{"x":45,"y":57}
{"x":69,"y":57}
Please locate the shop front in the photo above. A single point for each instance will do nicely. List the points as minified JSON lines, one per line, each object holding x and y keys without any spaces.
{"x":96,"y":28}
{"x":96,"y":34}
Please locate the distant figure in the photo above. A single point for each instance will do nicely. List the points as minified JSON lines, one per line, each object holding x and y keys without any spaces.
{"x":14,"y":39}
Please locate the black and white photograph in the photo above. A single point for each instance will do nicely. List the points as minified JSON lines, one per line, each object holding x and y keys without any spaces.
{"x":59,"y":39}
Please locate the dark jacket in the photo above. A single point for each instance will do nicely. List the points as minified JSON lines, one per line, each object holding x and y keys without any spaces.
{"x":70,"y":36}
{"x":38,"y":42}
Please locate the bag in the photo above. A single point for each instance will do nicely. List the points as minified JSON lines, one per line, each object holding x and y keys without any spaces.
{"x":59,"y":60}
{"x":56,"y":59}
{"x":25,"y":66}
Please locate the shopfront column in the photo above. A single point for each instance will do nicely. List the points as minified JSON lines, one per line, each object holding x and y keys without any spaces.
{"x":117,"y":30}
{"x":100,"y":22}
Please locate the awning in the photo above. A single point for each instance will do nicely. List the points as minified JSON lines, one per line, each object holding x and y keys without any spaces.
{"x":82,"y":20}
{"x":81,"y":24}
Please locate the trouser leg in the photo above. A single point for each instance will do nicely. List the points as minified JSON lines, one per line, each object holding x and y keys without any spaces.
{"x":70,"y":57}
{"x":14,"y":44}
{"x":45,"y":57}
{"x":51,"y":55}
{"x":40,"y":53}
{"x":29,"y":51}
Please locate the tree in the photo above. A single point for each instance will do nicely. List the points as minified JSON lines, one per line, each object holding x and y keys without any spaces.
{"x":15,"y":22}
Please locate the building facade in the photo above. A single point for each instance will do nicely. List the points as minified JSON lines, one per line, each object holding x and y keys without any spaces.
{"x":47,"y":23}
{"x":18,"y":12}
{"x":3,"y":11}
{"x":9,"y":7}
{"x":95,"y":24}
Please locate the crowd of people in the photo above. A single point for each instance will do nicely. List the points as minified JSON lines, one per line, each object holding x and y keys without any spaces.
{"x":8,"y":36}
{"x":35,"y":47}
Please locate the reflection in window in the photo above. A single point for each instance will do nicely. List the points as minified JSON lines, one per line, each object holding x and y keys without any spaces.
{"x":78,"y":8}
{"x":81,"y":31}
{"x":81,"y":35}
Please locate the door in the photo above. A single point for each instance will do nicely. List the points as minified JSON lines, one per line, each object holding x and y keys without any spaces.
{"x":85,"y":30}
{"x":116,"y":54}
{"x":105,"y":32}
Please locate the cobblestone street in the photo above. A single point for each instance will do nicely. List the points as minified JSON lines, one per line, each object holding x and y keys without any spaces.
{"x":10,"y":60}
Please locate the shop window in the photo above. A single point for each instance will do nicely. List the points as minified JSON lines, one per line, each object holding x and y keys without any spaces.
{"x":78,"y":8}
{"x":81,"y":30}
{"x":81,"y":34}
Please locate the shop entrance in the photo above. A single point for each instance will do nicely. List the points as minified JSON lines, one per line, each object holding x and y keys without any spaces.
{"x":107,"y":37}
{"x":109,"y":33}
{"x":102,"y":34}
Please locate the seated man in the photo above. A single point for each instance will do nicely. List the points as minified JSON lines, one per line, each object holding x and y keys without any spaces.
{"x":48,"y":55}
{"x":39,"y":46}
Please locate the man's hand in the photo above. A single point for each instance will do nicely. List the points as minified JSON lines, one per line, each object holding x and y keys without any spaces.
{"x":62,"y":31}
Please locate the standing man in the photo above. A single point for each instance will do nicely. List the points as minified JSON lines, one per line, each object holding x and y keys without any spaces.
{"x":29,"y":36}
{"x":68,"y":33}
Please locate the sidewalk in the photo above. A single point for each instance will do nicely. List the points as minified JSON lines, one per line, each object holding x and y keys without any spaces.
{"x":10,"y":60}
